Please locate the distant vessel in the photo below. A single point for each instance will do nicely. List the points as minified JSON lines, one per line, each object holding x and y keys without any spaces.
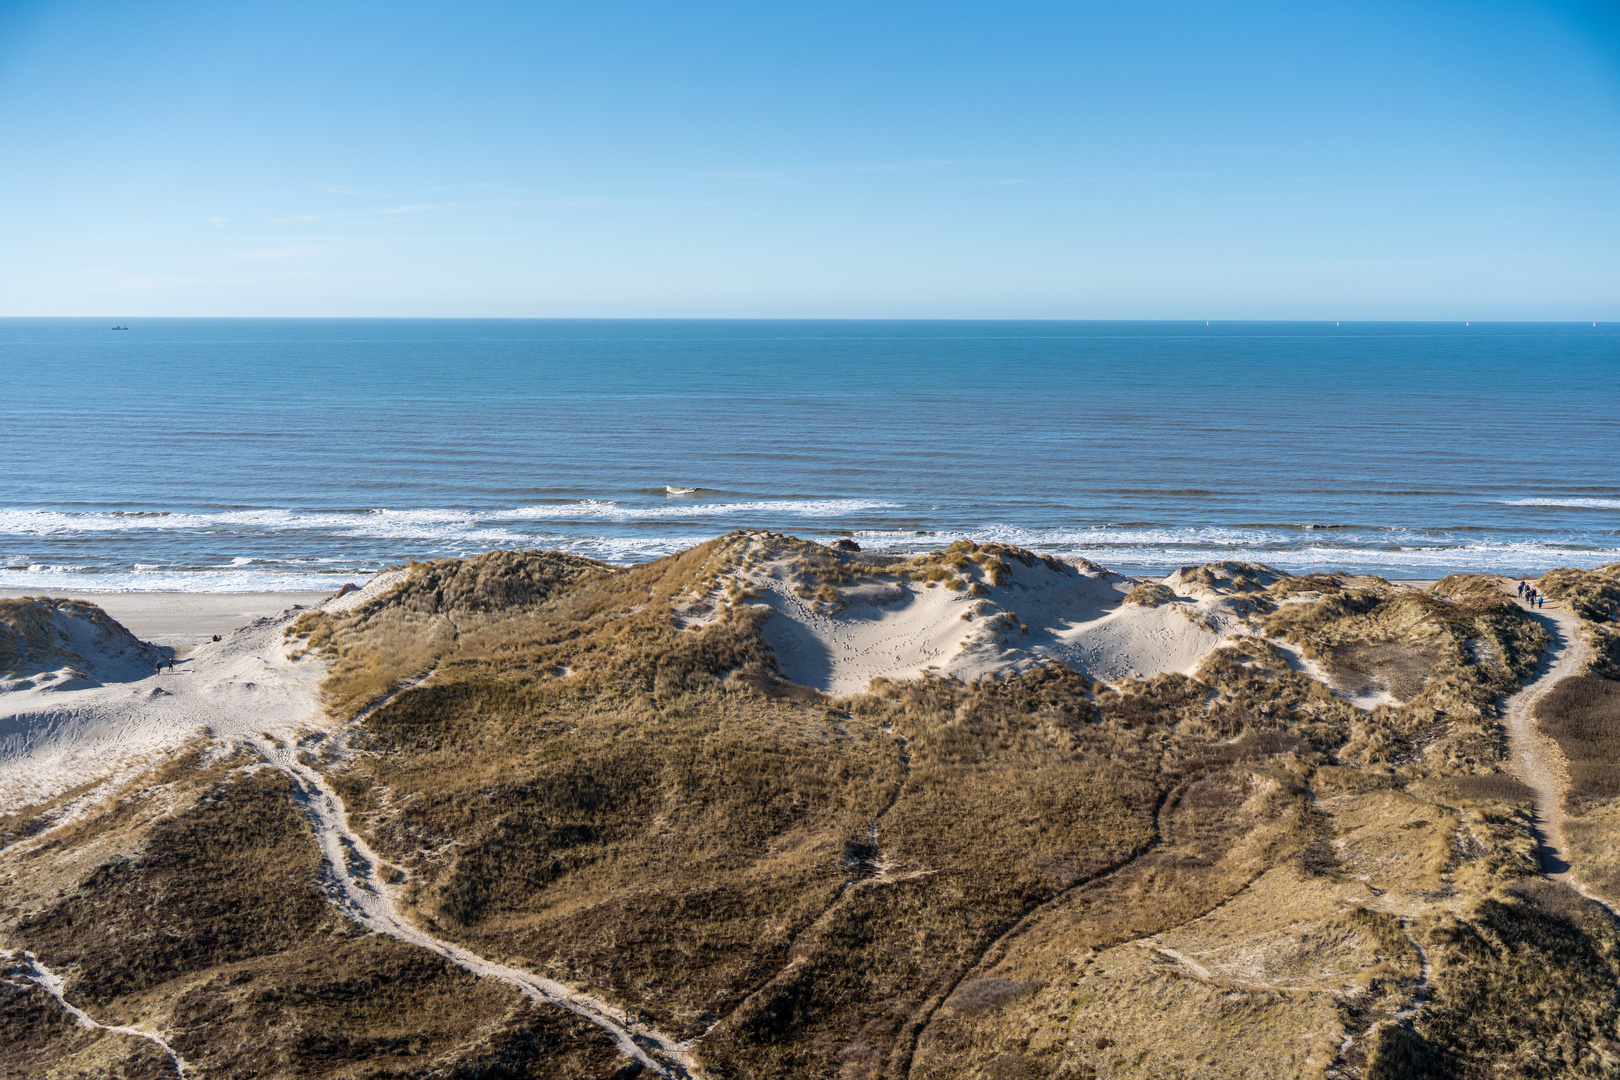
{"x":679,"y":491}
{"x":120,"y":328}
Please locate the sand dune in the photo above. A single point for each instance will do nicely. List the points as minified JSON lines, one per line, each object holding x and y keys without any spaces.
{"x":894,"y":625}
{"x":103,"y":709}
{"x":92,"y":707}
{"x":44,"y":641}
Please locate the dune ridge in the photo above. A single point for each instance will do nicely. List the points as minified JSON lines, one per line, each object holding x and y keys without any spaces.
{"x":770,"y":808}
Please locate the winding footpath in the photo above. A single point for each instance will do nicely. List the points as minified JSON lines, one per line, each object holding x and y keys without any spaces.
{"x":354,"y":884}
{"x":1536,"y":759}
{"x":31,"y":969}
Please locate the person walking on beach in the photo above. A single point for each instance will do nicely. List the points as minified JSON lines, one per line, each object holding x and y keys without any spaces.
{"x":171,"y":665}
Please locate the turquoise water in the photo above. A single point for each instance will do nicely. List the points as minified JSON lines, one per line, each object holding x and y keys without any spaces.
{"x":243,"y":454}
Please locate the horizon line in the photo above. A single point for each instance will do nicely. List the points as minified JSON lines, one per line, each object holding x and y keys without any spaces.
{"x":1595,"y":323}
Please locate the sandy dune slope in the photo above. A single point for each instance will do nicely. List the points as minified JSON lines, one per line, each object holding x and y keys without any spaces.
{"x":1072,"y":613}
{"x":101,"y":711}
{"x":47,"y":641}
{"x":106,"y":710}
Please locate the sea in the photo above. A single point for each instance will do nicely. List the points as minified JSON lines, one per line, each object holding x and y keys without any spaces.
{"x":280,"y":454}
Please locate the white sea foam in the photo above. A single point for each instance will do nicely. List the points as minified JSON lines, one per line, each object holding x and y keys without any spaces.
{"x":1120,"y":549}
{"x":427,"y":523}
{"x":1398,"y":552}
{"x":73,"y":581}
{"x":597,"y":509}
{"x":308,"y":550}
{"x":1579,"y":504}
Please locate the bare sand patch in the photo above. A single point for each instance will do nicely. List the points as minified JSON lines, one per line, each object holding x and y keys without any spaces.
{"x":988,"y":617}
{"x":186,"y":618}
{"x":113,"y":704}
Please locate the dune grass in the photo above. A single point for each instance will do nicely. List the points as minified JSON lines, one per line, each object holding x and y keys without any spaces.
{"x":672,"y":826}
{"x":1593,"y":595}
{"x":605,"y":779}
{"x":1582,"y":714}
{"x":215,"y":932}
{"x":28,"y":632}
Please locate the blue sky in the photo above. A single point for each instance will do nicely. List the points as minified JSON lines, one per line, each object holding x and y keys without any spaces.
{"x":1150,"y":160}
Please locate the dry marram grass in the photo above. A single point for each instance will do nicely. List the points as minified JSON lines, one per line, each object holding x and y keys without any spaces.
{"x":604,"y":779}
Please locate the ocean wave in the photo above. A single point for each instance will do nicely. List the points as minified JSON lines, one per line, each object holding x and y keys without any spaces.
{"x":1165,"y":537}
{"x":1416,"y":555}
{"x":1411,"y":554}
{"x":58,"y":581}
{"x":1150,"y":552}
{"x":604,"y":510}
{"x":491,"y":525}
{"x":277,"y":549}
{"x":1578,"y":504}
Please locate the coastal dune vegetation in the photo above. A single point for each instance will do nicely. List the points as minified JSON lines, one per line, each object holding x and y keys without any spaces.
{"x":1291,"y":845}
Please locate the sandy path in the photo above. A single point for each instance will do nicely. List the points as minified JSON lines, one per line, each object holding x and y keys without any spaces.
{"x":246,"y":690}
{"x":1536,"y":759}
{"x":356,"y":887}
{"x":1425,"y":974}
{"x":32,"y":970}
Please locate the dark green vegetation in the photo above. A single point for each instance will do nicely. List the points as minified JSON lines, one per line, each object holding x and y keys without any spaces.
{"x":604,"y":780}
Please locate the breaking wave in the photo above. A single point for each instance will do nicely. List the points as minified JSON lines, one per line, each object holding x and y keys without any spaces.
{"x":296,"y":550}
{"x":484,"y":524}
{"x":1577,"y":504}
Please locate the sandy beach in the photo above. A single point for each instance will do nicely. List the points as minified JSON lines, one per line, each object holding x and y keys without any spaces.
{"x":180,"y":619}
{"x":104,"y":710}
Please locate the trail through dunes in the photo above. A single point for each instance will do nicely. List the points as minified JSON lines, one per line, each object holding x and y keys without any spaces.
{"x":243,"y":691}
{"x":31,"y":969}
{"x":1536,"y":758}
{"x":355,"y":885}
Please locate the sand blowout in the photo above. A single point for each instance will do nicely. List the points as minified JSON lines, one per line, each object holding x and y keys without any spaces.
{"x":840,"y":619}
{"x":43,"y":635}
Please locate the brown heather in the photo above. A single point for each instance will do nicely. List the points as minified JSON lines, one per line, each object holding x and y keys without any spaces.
{"x":1594,"y":595}
{"x":1215,"y":875}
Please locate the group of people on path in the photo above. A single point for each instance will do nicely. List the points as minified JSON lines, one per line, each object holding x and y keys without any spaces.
{"x":1528,"y":593}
